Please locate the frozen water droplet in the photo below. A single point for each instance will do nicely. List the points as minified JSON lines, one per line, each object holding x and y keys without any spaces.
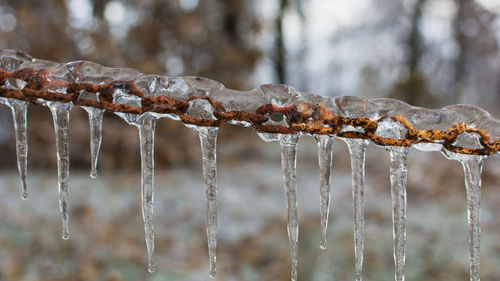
{"x":151,"y":267}
{"x":325,"y":143}
{"x":473,"y":166}
{"x":60,"y":114}
{"x":357,"y":149}
{"x":95,"y":121}
{"x":208,"y":141}
{"x":146,"y":136}
{"x":19,"y":112}
{"x":398,"y":175}
{"x":288,"y":164}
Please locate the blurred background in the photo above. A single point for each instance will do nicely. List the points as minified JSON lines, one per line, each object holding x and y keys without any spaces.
{"x":429,"y":53}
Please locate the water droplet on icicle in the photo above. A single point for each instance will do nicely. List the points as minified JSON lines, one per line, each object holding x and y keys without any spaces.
{"x":19,"y":112}
{"x":288,"y":165}
{"x":95,"y":121}
{"x":398,"y":175}
{"x":325,"y":143}
{"x":208,"y":141}
{"x":146,"y":136}
{"x":60,"y":114}
{"x":357,"y":149}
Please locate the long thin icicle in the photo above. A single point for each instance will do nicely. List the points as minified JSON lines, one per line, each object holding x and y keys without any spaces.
{"x":146,"y":137}
{"x":60,"y":114}
{"x":208,"y":141}
{"x":19,"y":112}
{"x":95,"y":121}
{"x":325,"y":143}
{"x":472,"y":172}
{"x":398,"y":171}
{"x":288,"y":165}
{"x":357,"y":149}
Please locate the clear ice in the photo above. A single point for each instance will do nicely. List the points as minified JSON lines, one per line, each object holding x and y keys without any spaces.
{"x":288,"y":164}
{"x":208,"y":141}
{"x":250,"y":101}
{"x":146,"y":127}
{"x":60,"y":114}
{"x":472,"y":171}
{"x":357,"y":149}
{"x":325,"y":143}
{"x":398,"y":175}
{"x":19,"y":111}
{"x":95,"y":121}
{"x":473,"y":166}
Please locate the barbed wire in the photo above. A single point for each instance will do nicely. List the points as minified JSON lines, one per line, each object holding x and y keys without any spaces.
{"x":303,"y":117}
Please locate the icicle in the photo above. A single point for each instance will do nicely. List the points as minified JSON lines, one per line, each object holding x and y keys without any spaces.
{"x":357,"y":149}
{"x":288,"y":164}
{"x":208,"y":139}
{"x":398,"y":172}
{"x":325,"y":143}
{"x":19,"y":111}
{"x":95,"y":120}
{"x":60,"y":114}
{"x":146,"y":136}
{"x":473,"y":166}
{"x":472,"y":171}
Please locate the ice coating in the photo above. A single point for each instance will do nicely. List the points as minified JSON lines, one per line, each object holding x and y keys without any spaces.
{"x":357,"y":150}
{"x":325,"y":165}
{"x":288,"y":165}
{"x":95,"y":122}
{"x":60,"y":114}
{"x":130,"y":87}
{"x":208,"y":141}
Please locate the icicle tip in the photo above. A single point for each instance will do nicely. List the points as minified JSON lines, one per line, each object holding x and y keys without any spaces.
{"x":93,"y":173}
{"x":151,"y":267}
{"x":212,"y":272}
{"x":323,"y":244}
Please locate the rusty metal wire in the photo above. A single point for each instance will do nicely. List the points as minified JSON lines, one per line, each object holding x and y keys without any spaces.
{"x":301,"y":118}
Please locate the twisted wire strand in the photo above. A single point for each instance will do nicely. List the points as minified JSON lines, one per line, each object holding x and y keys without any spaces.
{"x":303,"y":117}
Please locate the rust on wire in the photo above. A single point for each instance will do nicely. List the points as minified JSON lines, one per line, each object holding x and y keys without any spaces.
{"x":301,"y":118}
